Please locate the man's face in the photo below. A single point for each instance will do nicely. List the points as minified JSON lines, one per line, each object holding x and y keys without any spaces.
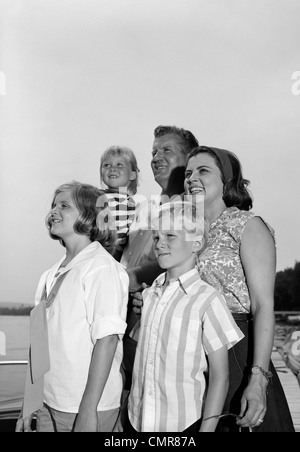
{"x":167,"y":154}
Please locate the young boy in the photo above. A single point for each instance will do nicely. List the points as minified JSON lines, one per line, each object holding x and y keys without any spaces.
{"x":186,"y":330}
{"x":119,"y":172}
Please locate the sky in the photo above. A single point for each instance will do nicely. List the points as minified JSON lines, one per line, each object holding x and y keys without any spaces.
{"x":77,"y":76}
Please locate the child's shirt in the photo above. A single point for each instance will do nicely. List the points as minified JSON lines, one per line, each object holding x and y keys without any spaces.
{"x":123,"y":209}
{"x":179,"y":327}
{"x":91,"y":304}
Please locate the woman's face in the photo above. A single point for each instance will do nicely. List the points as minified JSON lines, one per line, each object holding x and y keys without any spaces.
{"x":203,"y":177}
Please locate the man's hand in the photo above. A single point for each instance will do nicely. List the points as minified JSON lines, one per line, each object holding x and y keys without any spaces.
{"x":137,"y":301}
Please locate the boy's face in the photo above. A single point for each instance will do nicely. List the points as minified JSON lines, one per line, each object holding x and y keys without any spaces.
{"x":116,"y":172}
{"x":174,"y":252}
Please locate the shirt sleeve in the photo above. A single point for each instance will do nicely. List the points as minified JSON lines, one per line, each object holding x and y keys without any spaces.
{"x":106,"y":298}
{"x":219,"y":327}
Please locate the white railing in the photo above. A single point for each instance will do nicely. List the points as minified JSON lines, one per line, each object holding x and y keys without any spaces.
{"x":13,"y":363}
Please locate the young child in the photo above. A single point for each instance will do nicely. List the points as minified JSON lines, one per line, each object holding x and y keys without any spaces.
{"x":186,"y":330}
{"x":119,"y":172}
{"x":85,"y":320}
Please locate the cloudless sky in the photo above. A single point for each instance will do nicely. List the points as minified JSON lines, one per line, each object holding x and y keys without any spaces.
{"x":82,"y":75}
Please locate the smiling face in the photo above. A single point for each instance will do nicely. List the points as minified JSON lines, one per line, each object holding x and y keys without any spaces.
{"x":116,"y":172}
{"x":174,"y":252}
{"x":63,"y":215}
{"x":203,"y":176}
{"x":167,"y":154}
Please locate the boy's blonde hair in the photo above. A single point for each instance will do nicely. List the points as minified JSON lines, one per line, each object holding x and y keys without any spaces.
{"x":123,"y":151}
{"x":182,"y":215}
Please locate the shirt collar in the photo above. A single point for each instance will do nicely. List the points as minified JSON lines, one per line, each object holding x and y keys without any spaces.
{"x":91,"y":250}
{"x":185,"y":281}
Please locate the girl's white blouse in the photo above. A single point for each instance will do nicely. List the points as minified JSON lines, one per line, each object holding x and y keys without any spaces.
{"x":91,"y":304}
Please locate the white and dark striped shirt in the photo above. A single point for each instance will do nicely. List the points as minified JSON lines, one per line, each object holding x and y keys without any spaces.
{"x":180,"y":326}
{"x":123,"y":208}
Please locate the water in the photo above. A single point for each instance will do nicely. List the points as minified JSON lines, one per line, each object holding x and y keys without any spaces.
{"x":12,"y":378}
{"x":16,"y":330}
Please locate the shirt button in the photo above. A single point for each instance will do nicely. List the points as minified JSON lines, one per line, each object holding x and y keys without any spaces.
{"x":130,"y":253}
{"x":141,"y":234}
{"x":150,"y":393}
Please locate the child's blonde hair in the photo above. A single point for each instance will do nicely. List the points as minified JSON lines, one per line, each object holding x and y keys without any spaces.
{"x":123,"y":151}
{"x":182,"y":215}
{"x":85,"y":197}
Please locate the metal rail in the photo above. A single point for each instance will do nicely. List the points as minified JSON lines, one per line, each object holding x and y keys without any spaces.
{"x":13,"y":363}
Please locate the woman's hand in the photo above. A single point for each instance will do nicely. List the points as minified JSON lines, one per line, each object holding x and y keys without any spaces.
{"x":254,"y":402}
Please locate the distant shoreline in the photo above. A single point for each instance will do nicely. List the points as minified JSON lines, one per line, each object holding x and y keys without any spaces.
{"x":16,"y":310}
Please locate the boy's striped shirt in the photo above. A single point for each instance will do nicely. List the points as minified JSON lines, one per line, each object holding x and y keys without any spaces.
{"x":179,"y":327}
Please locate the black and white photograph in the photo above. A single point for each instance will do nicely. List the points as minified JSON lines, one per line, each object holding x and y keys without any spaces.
{"x":149,"y":234}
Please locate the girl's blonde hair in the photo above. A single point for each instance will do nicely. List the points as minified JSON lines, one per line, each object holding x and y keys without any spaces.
{"x":123,"y":151}
{"x":85,"y":197}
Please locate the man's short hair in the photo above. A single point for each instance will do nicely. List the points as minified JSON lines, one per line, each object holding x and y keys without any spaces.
{"x":189,"y":141}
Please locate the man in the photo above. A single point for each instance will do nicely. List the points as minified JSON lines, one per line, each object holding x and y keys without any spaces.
{"x":169,"y":156}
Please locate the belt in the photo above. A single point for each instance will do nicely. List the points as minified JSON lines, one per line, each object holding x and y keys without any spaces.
{"x":242,"y":317}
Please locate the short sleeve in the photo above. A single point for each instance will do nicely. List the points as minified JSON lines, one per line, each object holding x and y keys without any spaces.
{"x":219,"y":327}
{"x":106,"y":298}
{"x":237,"y":223}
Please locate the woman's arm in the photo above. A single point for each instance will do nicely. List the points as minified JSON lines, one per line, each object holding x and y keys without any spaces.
{"x":258,"y":256}
{"x":102,"y":358}
{"x":217,"y":389}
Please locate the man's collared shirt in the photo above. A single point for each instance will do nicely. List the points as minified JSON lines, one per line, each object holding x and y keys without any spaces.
{"x":182,"y":322}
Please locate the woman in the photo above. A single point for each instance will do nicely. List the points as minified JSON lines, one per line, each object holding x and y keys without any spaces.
{"x":240,"y":261}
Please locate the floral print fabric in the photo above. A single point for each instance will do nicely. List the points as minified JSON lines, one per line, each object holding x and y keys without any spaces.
{"x":220,"y":263}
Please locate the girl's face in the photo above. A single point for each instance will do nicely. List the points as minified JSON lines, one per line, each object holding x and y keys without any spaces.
{"x":203,"y":176}
{"x":116,"y":172}
{"x":63,"y":215}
